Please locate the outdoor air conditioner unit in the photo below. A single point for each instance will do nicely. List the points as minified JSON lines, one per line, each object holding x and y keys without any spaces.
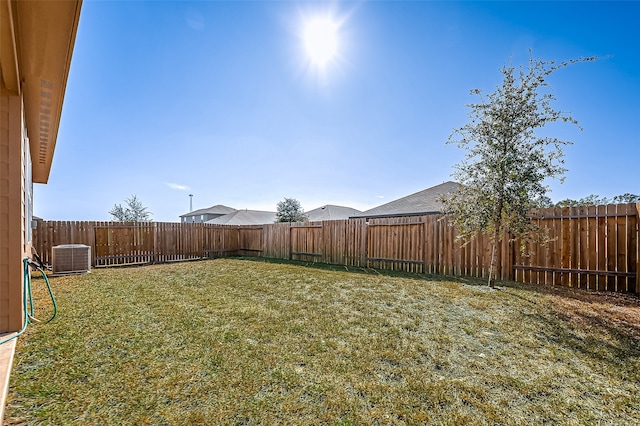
{"x":71,"y":259}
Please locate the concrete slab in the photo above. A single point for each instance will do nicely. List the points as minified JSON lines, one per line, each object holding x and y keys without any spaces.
{"x":7,"y":350}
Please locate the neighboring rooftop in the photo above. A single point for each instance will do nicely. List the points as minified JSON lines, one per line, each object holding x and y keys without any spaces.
{"x":422,"y":202}
{"x":245,"y":217}
{"x":419,"y":203}
{"x":218,"y":209}
{"x":331,"y":212}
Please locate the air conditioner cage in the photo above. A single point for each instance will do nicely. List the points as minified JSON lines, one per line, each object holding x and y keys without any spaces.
{"x":71,"y":259}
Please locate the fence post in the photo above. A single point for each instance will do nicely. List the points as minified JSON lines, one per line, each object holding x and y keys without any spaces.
{"x":365,"y":244}
{"x":290,"y":240}
{"x":155,"y":243}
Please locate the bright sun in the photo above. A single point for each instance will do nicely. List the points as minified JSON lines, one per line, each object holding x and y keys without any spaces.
{"x":321,"y":40}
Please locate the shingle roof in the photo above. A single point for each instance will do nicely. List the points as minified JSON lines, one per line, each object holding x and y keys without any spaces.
{"x":245,"y":217}
{"x":331,"y":212}
{"x":217,"y":209}
{"x":422,"y":202}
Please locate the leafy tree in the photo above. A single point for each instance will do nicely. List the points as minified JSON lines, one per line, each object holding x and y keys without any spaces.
{"x":589,"y":200}
{"x":596,"y":200}
{"x":626,"y":198}
{"x":543,"y":202}
{"x":133,"y":212}
{"x":290,"y":210}
{"x":506,"y":163}
{"x":593,"y":200}
{"x":567,"y":202}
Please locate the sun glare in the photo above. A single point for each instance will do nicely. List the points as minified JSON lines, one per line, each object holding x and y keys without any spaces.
{"x":321,"y":40}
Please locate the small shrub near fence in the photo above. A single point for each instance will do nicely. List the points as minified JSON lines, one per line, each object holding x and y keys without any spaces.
{"x":592,"y":247}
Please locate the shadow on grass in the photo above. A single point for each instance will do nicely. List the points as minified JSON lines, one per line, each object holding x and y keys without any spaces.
{"x":612,"y":344}
{"x":594,"y":336}
{"x":578,"y":294}
{"x":601,"y":326}
{"x":589,"y":296}
{"x":370,"y":271}
{"x":615,"y":313}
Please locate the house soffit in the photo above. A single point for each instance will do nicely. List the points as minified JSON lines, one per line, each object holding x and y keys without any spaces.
{"x":44,"y":33}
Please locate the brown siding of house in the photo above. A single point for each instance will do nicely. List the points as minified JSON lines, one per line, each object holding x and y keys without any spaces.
{"x":12,"y":210}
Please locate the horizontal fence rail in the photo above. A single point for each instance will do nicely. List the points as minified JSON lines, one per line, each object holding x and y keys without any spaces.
{"x":595,"y":248}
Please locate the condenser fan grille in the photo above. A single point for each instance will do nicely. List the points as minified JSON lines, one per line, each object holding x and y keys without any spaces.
{"x":71,"y":259}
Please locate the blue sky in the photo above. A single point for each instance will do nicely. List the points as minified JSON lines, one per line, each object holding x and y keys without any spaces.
{"x":220,"y":100}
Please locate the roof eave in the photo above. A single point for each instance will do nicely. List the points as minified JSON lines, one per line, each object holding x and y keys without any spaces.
{"x":46,"y":33}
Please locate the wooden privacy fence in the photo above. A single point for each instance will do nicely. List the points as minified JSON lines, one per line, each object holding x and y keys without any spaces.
{"x":122,"y":243}
{"x":591,"y":247}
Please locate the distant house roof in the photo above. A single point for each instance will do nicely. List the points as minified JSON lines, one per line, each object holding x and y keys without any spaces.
{"x":245,"y":217}
{"x":422,"y":202}
{"x":331,"y":212}
{"x":217,"y":209}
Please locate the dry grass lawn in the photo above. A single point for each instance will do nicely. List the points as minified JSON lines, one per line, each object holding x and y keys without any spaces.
{"x":247,"y":342}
